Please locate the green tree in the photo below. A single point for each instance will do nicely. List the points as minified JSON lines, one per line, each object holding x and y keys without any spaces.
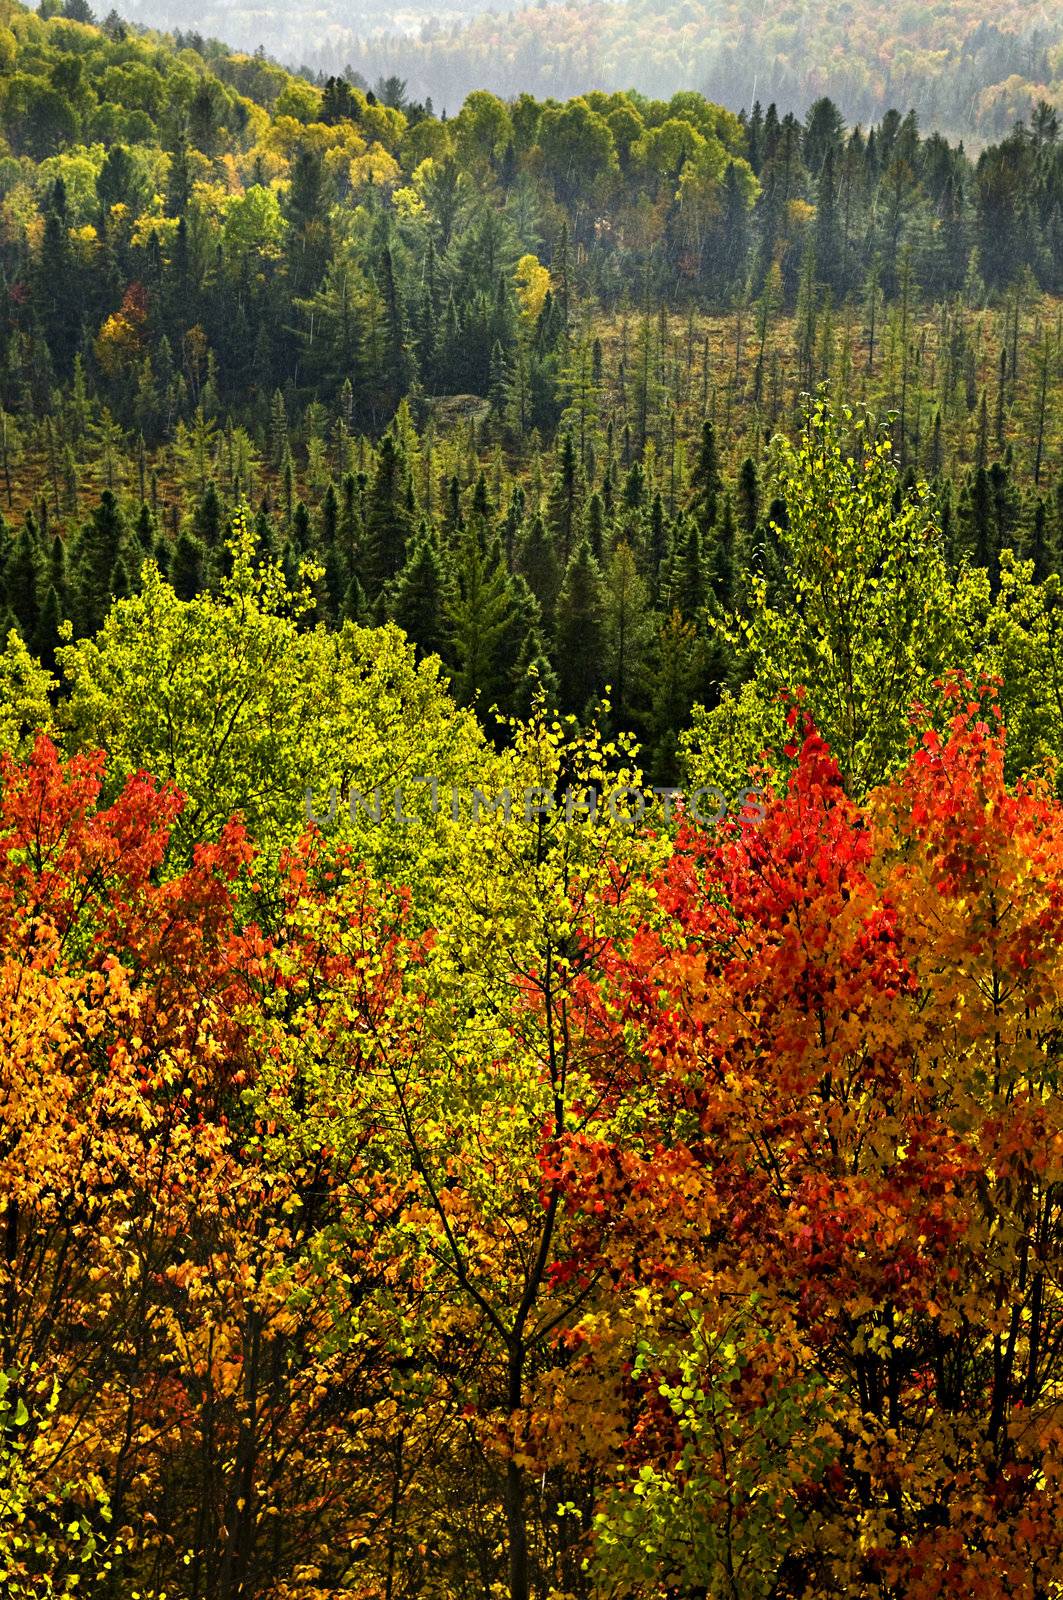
{"x":480,"y":614}
{"x":98,"y":548}
{"x":867,"y":616}
{"x":580,"y":632}
{"x":419,"y":597}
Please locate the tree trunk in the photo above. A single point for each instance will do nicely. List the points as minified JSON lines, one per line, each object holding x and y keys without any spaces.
{"x":516,"y":1519}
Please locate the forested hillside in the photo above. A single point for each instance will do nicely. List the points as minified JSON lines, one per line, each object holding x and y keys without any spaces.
{"x":963,"y":68}
{"x":531,"y":849}
{"x":586,"y":321}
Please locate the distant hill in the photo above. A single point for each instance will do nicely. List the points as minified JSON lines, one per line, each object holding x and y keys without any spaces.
{"x":967,"y":69}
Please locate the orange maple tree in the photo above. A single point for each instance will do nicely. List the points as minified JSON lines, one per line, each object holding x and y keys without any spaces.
{"x":837,"y":1245}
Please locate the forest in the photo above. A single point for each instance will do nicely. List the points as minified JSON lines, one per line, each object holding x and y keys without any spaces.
{"x":965,"y":69}
{"x":531,"y":839}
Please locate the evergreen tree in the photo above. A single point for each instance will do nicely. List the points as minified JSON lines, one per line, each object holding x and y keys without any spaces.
{"x":724,"y":556}
{"x":98,"y":550}
{"x":46,"y":637}
{"x":627,"y":625}
{"x":536,"y":560}
{"x":419,"y":596}
{"x":398,"y":368}
{"x":22,"y":579}
{"x":355,"y":605}
{"x":209,"y":518}
{"x":564,"y":496}
{"x":534,"y":681}
{"x":387,"y":522}
{"x":705,"y":480}
{"x":828,"y":243}
{"x":57,"y":577}
{"x":480,"y":614}
{"x":188,"y":568}
{"x":579,"y":631}
{"x":688,"y":586}
{"x":748,"y":499}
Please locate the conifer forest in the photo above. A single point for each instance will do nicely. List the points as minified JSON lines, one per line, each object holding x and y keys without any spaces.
{"x":531,"y":803}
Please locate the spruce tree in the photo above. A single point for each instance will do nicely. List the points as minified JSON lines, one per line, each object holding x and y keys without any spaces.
{"x":656,"y":544}
{"x":533,"y":680}
{"x":564,"y":496}
{"x":209,"y":517}
{"x":688,"y":579}
{"x":748,"y":499}
{"x":536,"y":559}
{"x":355,"y":606}
{"x":724,"y":556}
{"x":387,"y":521}
{"x":58,"y":578}
{"x":23,"y":577}
{"x":329,"y":523}
{"x":98,"y":550}
{"x":579,"y":632}
{"x":188,"y":569}
{"x":628,"y":621}
{"x":146,"y":530}
{"x":705,"y":480}
{"x":1039,"y":545}
{"x":45,"y":640}
{"x":301,"y":535}
{"x":120,"y":587}
{"x":596,"y":526}
{"x":521,"y":640}
{"x":479,"y":614}
{"x":418,"y":597}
